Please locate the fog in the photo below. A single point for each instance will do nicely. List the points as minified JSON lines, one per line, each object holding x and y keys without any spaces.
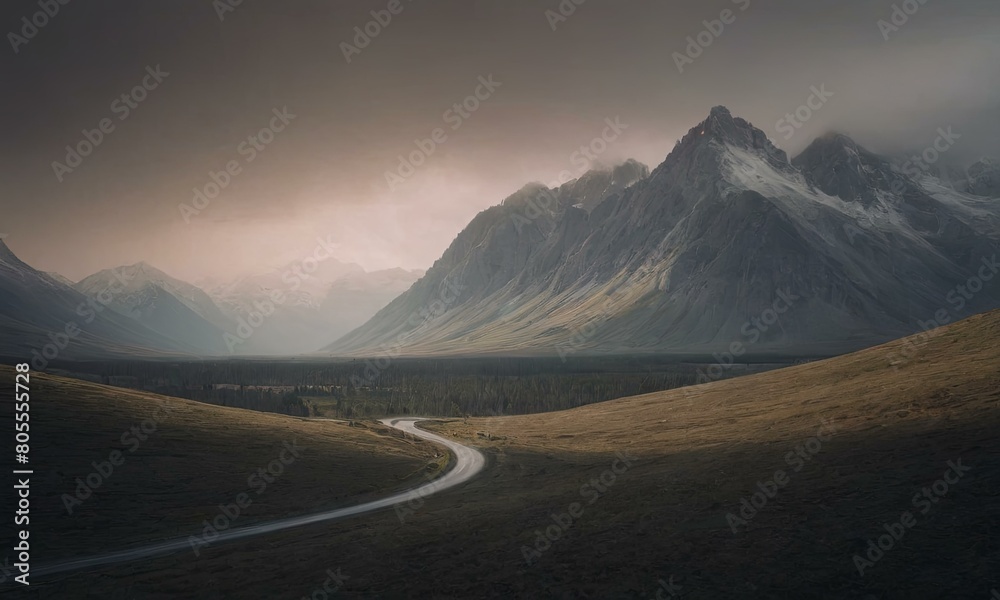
{"x":554,"y":78}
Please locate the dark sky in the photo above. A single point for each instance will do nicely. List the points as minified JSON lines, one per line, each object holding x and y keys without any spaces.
{"x":324,"y":175}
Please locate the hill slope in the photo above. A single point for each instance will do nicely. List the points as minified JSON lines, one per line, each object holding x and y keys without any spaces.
{"x":695,"y":454}
{"x":182,"y":459}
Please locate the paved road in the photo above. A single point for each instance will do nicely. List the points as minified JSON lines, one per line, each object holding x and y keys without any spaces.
{"x":468,"y":463}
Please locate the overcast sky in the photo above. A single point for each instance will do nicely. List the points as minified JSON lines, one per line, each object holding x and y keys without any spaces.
{"x":324,"y":174}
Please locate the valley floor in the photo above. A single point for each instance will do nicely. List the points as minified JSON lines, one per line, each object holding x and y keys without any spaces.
{"x":777,"y":485}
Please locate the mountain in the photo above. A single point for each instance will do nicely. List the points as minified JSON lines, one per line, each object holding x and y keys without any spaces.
{"x":841,"y":168}
{"x":314,"y":307}
{"x":308,"y":287}
{"x":43,"y":319}
{"x":726,"y":242}
{"x":169,"y":306}
{"x":984,"y":178}
{"x":356,"y":297}
{"x":63,"y":280}
{"x":600,"y":184}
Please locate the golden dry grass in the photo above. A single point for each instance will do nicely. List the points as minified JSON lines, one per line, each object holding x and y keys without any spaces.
{"x":698,"y":452}
{"x":955,"y":374}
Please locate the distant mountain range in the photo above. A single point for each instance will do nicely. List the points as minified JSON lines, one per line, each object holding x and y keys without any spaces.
{"x":314,"y":309}
{"x":168,"y":306}
{"x":138,"y":310}
{"x":726,"y":246}
{"x":44,"y":319}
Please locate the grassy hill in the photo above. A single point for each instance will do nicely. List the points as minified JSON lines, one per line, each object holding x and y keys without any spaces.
{"x":637,"y":495}
{"x":179,"y":460}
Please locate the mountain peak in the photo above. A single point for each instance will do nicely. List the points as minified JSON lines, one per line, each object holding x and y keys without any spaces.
{"x":628,"y":169}
{"x":726,"y":220}
{"x":5,"y":253}
{"x":720,"y":111}
{"x":531,"y":191}
{"x":633,"y":167}
{"x":145,"y":269}
{"x":137,"y":275}
{"x":835,"y":140}
{"x":721,"y":127}
{"x":984,"y":177}
{"x":7,"y":256}
{"x":721,"y":123}
{"x":841,"y":167}
{"x":832,"y":147}
{"x":601,"y":183}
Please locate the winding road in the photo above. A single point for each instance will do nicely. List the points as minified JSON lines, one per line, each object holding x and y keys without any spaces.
{"x":468,"y":463}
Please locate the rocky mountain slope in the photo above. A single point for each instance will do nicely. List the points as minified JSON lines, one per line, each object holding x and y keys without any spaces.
{"x":984,"y":178}
{"x":43,"y":319}
{"x":726,"y":246}
{"x":138,"y":310}
{"x":603,"y":183}
{"x":167,"y":305}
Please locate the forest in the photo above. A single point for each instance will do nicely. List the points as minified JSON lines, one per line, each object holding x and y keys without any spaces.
{"x":448,"y":387}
